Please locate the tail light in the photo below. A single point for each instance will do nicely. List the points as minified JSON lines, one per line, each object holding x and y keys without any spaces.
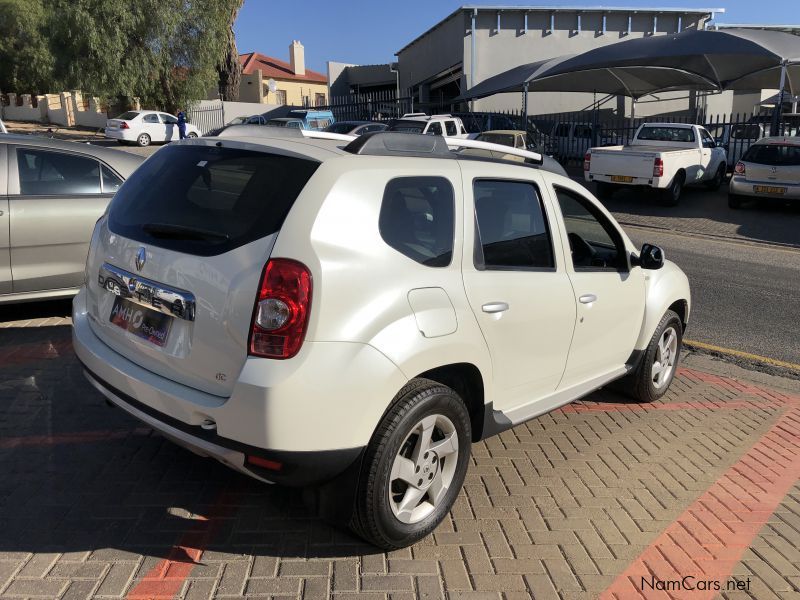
{"x":124,"y":125}
{"x":658,"y":167}
{"x":280,"y":316}
{"x":587,"y":161}
{"x":739,"y":168}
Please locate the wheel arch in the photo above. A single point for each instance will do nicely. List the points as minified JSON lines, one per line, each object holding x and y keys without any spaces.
{"x":466,"y":380}
{"x":668,"y":289}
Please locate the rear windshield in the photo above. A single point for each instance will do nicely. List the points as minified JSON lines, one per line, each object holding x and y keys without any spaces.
{"x":207,"y":200}
{"x":341,"y":127}
{"x":666,"y":134}
{"x":407,"y":126}
{"x":776,"y":155}
{"x":506,"y":139}
{"x":128,"y":116}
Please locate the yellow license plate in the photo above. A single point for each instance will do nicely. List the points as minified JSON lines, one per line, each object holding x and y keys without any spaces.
{"x":768,"y":189}
{"x":621,"y":179}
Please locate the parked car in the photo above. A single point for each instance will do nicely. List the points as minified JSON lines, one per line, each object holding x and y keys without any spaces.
{"x":232,"y":123}
{"x":661,"y":156}
{"x":314,"y":120}
{"x":3,"y":127}
{"x":515,"y":139}
{"x":51,"y":194}
{"x":355,"y":127}
{"x":352,"y":318}
{"x":770,"y":169}
{"x":445,"y":125}
{"x":143,"y":127}
{"x":286,"y":122}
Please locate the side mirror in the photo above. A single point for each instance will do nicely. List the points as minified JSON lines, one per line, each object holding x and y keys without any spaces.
{"x":651,"y":257}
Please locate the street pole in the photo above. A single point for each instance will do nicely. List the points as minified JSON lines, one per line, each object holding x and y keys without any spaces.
{"x":776,"y":112}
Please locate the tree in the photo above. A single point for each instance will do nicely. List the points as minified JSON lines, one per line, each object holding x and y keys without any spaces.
{"x":26,"y":62}
{"x":230,"y":69}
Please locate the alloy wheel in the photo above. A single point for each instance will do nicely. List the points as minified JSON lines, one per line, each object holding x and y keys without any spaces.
{"x":665,"y":358}
{"x":423,"y":470}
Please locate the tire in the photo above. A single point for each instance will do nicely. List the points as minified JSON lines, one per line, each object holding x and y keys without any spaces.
{"x":672,"y":195}
{"x":642,"y":383}
{"x":719,"y":178}
{"x":143,"y":140}
{"x":734,"y":201}
{"x":605,"y":190}
{"x":384,"y":484}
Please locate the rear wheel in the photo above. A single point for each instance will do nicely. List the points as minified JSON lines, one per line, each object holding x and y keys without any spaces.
{"x":734,"y":201}
{"x":652,"y":377}
{"x":413,"y":467}
{"x":715,"y":183}
{"x":672,"y":195}
{"x":605,"y":190}
{"x":143,"y":139}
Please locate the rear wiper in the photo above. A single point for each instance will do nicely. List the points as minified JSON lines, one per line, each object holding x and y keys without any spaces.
{"x":182,"y":232}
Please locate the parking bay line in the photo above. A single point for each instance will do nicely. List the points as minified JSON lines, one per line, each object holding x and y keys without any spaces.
{"x":740,"y":354}
{"x":712,"y":535}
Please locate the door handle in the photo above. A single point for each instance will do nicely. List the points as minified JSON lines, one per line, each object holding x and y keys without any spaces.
{"x":587,"y":298}
{"x":495,"y":307}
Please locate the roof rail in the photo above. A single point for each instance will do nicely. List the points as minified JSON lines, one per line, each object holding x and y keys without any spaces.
{"x":412,"y":114}
{"x":282,"y":132}
{"x":458,"y":143}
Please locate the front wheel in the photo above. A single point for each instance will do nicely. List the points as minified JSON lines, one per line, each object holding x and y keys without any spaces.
{"x":413,"y":467}
{"x":652,"y":377}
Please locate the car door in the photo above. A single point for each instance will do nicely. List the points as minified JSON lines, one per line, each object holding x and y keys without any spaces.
{"x":516,"y":283}
{"x":170,"y":124}
{"x":711,"y":155}
{"x":5,"y":249}
{"x":152,"y":126}
{"x":609,"y":295}
{"x":55,"y":198}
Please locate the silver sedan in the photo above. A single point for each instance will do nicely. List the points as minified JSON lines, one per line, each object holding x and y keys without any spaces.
{"x":51,"y":194}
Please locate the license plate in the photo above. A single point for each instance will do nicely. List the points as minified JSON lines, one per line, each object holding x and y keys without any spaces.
{"x":621,"y":179}
{"x":768,"y":189}
{"x":147,"y":324}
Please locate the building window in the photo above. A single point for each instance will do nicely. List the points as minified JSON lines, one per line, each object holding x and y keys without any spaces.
{"x":280,"y":96}
{"x":319,"y":99}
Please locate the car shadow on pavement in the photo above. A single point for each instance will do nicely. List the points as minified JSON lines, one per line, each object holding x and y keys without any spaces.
{"x":77,"y":475}
{"x":704,"y":212}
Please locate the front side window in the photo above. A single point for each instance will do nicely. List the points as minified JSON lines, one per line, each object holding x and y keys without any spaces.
{"x":169,"y":119}
{"x":595,"y":244}
{"x":417,"y":219}
{"x":708,"y":141}
{"x":111,"y":181}
{"x":435,"y":128}
{"x":46,"y":173}
{"x":450,"y":126}
{"x":511,"y":227}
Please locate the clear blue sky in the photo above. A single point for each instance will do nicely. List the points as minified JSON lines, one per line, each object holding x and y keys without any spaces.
{"x":369,"y":32}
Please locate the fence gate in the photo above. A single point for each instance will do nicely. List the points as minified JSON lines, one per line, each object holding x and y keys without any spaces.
{"x":206,"y":117}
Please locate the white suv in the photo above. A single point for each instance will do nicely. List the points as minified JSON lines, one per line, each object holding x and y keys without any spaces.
{"x":444,"y":125}
{"x":352,"y":315}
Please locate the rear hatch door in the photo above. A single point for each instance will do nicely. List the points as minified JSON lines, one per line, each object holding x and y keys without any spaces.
{"x":174,"y":268}
{"x":773,"y":164}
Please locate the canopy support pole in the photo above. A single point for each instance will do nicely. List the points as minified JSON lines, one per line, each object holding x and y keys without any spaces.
{"x":633,"y":111}
{"x":776,"y":112}
{"x":525,"y":107}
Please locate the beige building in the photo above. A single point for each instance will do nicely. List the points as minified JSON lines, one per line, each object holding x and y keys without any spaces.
{"x":269,"y":80}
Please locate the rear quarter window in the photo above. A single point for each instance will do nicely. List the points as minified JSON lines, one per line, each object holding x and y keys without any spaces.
{"x":221,"y":198}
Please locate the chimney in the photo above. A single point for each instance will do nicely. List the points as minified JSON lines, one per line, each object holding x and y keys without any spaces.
{"x":297,"y":58}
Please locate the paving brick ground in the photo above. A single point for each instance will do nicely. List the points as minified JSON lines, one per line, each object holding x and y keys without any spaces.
{"x":591,"y":501}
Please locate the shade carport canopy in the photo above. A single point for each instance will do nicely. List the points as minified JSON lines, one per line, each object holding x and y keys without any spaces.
{"x":731,"y":59}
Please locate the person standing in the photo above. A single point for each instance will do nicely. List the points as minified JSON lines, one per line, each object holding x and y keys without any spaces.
{"x":181,"y":125}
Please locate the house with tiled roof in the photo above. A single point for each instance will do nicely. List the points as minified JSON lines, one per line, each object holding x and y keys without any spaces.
{"x":269,"y":80}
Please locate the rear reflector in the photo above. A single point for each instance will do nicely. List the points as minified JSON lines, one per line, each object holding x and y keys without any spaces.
{"x":280,"y":316}
{"x":264,"y":463}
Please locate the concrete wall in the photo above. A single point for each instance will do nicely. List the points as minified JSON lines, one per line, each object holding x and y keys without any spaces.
{"x":254,"y":88}
{"x":441,"y":49}
{"x":66,"y":108}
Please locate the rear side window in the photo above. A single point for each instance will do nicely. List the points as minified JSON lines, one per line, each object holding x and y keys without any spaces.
{"x":417,"y":219}
{"x":512,"y":231}
{"x":45,"y":173}
{"x":775,"y":155}
{"x":151,"y":118}
{"x":206,"y":200}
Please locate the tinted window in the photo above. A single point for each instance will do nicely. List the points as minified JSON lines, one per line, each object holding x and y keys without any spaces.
{"x":746,"y":132}
{"x":128,"y":116}
{"x":593,"y":240}
{"x":435,"y":129}
{"x":512,"y":229}
{"x":417,"y":217}
{"x":111,"y":182}
{"x":506,"y":139}
{"x":407,"y":126}
{"x":450,"y":126}
{"x":562,"y":130}
{"x":221,"y":198}
{"x":340,"y":128}
{"x":667,"y":134}
{"x":150,"y":118}
{"x":53,"y":173}
{"x":169,"y":119}
{"x":773,"y":154}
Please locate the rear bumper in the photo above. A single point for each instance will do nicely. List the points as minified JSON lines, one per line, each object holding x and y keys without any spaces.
{"x":652,"y":182}
{"x":739,"y":186}
{"x":120,"y":134}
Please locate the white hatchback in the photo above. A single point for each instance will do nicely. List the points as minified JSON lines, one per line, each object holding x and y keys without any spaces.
{"x":770,"y":169}
{"x":145,"y":126}
{"x":351,"y":313}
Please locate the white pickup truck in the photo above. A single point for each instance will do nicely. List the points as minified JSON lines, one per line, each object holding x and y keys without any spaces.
{"x":662,"y":156}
